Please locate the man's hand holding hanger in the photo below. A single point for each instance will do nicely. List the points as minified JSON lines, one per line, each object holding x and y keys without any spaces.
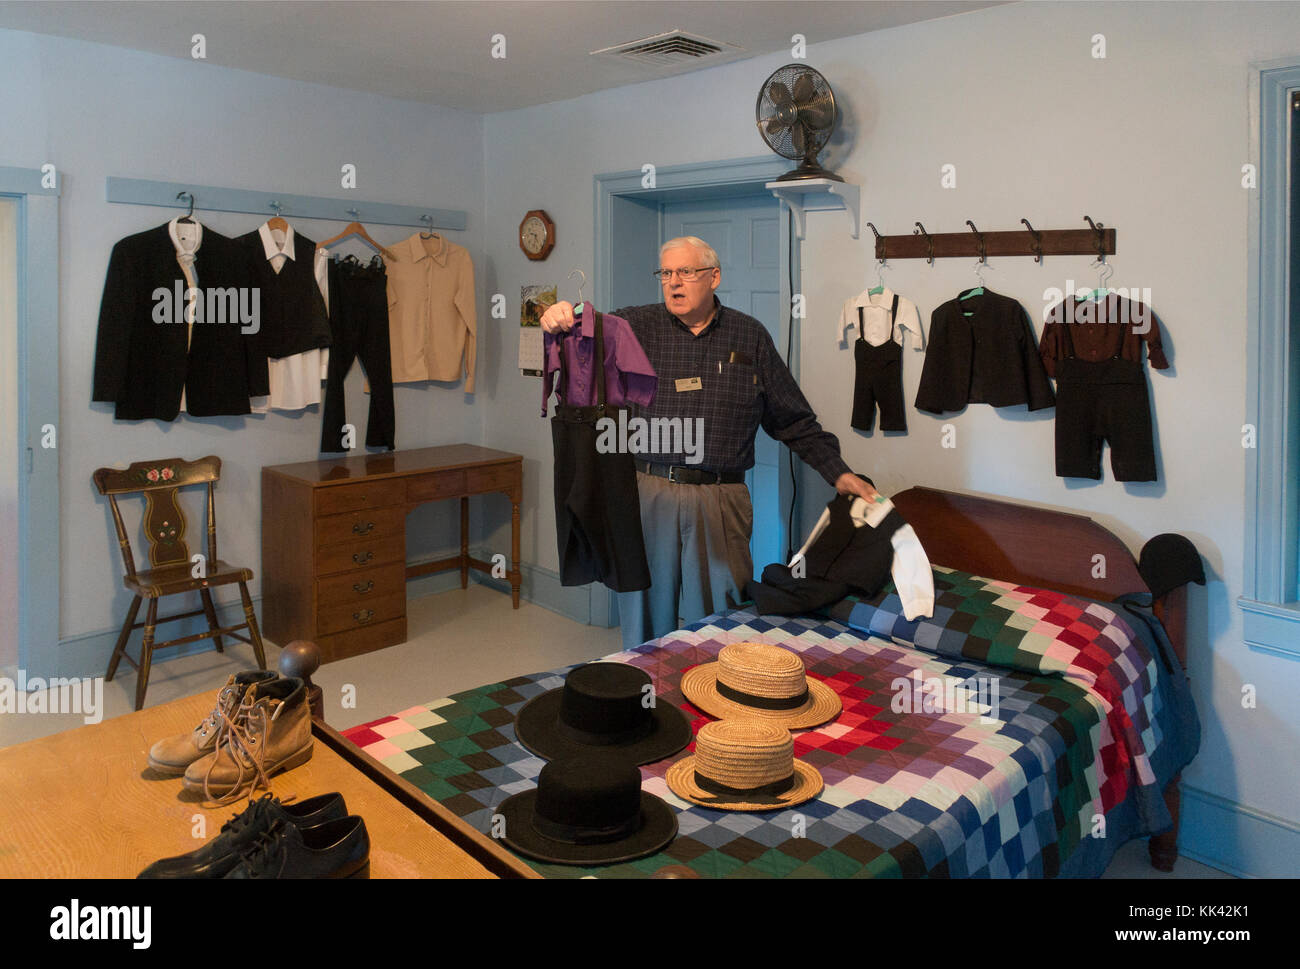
{"x":558,"y":318}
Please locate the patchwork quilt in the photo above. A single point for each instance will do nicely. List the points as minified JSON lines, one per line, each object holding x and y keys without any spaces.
{"x":1019,"y":732}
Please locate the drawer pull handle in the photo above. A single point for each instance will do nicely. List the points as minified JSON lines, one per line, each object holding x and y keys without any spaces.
{"x":365,"y":615}
{"x":362,"y":559}
{"x":363,"y":529}
{"x":363,"y":589}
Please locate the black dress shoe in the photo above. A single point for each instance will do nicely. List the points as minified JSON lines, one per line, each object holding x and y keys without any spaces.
{"x":222,"y":853}
{"x":335,"y":849}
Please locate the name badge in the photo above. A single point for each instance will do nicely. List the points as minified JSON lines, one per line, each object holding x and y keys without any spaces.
{"x":689,"y":383}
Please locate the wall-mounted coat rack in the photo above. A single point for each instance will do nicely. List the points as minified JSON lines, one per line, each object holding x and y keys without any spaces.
{"x":1098,"y":240}
{"x":138,"y":191}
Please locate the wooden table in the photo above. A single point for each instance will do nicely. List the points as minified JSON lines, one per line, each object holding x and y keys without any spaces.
{"x":334,"y":540}
{"x":85,"y":804}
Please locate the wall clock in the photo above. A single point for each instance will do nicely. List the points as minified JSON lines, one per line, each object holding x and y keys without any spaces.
{"x":537,"y":235}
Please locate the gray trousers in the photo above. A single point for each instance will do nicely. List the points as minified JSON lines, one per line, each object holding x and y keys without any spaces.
{"x":697,"y":547}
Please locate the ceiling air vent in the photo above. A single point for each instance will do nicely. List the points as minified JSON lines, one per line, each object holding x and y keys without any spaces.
{"x":669,"y":49}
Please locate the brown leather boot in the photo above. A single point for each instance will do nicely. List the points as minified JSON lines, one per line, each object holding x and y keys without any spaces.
{"x":269,"y":732}
{"x":172,"y":755}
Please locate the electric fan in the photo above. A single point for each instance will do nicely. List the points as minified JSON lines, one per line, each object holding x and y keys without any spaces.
{"x":796,"y":115}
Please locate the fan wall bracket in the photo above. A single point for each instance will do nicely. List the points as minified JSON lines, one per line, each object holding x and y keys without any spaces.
{"x":817,"y":193}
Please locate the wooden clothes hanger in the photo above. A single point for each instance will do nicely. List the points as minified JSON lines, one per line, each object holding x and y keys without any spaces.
{"x":276,"y":223}
{"x":359,"y":231}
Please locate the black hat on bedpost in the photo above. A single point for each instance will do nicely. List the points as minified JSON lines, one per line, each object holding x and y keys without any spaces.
{"x":1169,"y":561}
{"x":606,"y":708}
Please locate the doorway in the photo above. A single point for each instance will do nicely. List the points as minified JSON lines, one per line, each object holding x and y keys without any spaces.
{"x":635,"y":211}
{"x":745,"y":232}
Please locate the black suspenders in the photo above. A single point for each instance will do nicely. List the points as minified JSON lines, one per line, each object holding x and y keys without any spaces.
{"x":590,"y":412}
{"x":893,"y":315}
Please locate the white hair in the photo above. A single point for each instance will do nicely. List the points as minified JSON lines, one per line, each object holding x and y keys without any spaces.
{"x":705,"y":251}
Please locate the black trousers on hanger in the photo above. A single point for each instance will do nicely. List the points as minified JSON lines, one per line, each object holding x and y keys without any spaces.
{"x":879,"y":381}
{"x":597,"y":506}
{"x":359,"y":324}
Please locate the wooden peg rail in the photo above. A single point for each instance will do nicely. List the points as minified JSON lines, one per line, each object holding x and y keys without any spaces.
{"x":974,"y":244}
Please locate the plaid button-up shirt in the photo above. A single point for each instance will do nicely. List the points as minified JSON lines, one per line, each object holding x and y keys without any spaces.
{"x":743,"y":384}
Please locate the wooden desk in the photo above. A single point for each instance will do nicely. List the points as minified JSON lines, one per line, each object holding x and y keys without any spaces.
{"x":334,"y":540}
{"x":85,"y":804}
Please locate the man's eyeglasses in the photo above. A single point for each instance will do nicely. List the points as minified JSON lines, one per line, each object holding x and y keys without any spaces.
{"x":686,"y":275}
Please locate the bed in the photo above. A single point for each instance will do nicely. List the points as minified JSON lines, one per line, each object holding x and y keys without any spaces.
{"x":1030,"y":728}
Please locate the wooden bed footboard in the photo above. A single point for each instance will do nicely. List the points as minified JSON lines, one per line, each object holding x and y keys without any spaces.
{"x":1053,"y":550}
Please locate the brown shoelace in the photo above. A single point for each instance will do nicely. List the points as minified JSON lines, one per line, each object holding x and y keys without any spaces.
{"x":242,"y":736}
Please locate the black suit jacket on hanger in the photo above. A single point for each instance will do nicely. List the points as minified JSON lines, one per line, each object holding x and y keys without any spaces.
{"x":989,"y":358}
{"x":141,"y":362}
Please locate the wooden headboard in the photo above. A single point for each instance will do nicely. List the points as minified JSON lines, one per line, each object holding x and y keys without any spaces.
{"x":1033,"y":546}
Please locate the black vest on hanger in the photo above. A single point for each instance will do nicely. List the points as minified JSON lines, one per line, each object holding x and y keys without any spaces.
{"x":293,"y":317}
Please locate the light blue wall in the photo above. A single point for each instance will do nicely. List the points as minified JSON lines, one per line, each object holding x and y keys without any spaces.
{"x":1151,"y":139}
{"x":96,"y":111}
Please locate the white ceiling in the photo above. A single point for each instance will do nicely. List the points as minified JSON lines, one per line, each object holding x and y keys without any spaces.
{"x":440,"y":50}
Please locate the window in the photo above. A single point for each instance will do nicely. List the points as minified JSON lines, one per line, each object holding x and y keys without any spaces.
{"x":1271,"y":590}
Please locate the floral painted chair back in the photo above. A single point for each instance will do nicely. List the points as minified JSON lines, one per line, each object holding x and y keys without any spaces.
{"x":164,"y":521}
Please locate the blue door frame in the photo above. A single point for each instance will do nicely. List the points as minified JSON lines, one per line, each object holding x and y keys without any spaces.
{"x":38,"y":406}
{"x":626,"y":196}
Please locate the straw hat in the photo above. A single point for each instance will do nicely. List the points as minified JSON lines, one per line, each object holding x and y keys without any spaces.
{"x":587,"y":810}
{"x":756,"y":681}
{"x":744,"y":765}
{"x":605,"y":707}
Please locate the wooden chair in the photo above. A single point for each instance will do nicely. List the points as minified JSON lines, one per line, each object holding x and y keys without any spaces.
{"x":173,"y":572}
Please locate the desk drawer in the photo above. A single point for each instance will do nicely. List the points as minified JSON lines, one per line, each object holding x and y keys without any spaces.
{"x":367,"y":494}
{"x":362,"y":587}
{"x":502,"y":476}
{"x":430,"y":487}
{"x":361,"y":554}
{"x":351,"y":615}
{"x":365,"y":525}
{"x":363,"y":639}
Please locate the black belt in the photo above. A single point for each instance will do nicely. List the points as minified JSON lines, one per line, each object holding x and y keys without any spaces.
{"x":680,"y":475}
{"x":573,"y":414}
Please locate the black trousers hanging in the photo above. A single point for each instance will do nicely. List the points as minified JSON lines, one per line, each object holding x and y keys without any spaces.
{"x":597,"y":508}
{"x":1103,"y":400}
{"x":359,"y":326}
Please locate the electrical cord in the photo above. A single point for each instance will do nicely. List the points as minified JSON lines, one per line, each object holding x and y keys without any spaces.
{"x":789,"y":356}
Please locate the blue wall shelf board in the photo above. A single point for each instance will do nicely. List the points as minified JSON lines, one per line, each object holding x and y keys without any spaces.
{"x":138,"y":191}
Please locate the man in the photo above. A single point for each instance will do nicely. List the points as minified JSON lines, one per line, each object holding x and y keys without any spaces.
{"x":717,"y":369}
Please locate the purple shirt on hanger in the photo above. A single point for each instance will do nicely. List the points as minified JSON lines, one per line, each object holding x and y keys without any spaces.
{"x":629,"y":378}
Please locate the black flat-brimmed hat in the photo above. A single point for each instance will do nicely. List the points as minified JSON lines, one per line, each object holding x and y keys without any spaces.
{"x":587,"y":810}
{"x":608,"y":707}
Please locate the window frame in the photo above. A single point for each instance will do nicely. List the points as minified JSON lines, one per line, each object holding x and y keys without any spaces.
{"x":1270,"y":610}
